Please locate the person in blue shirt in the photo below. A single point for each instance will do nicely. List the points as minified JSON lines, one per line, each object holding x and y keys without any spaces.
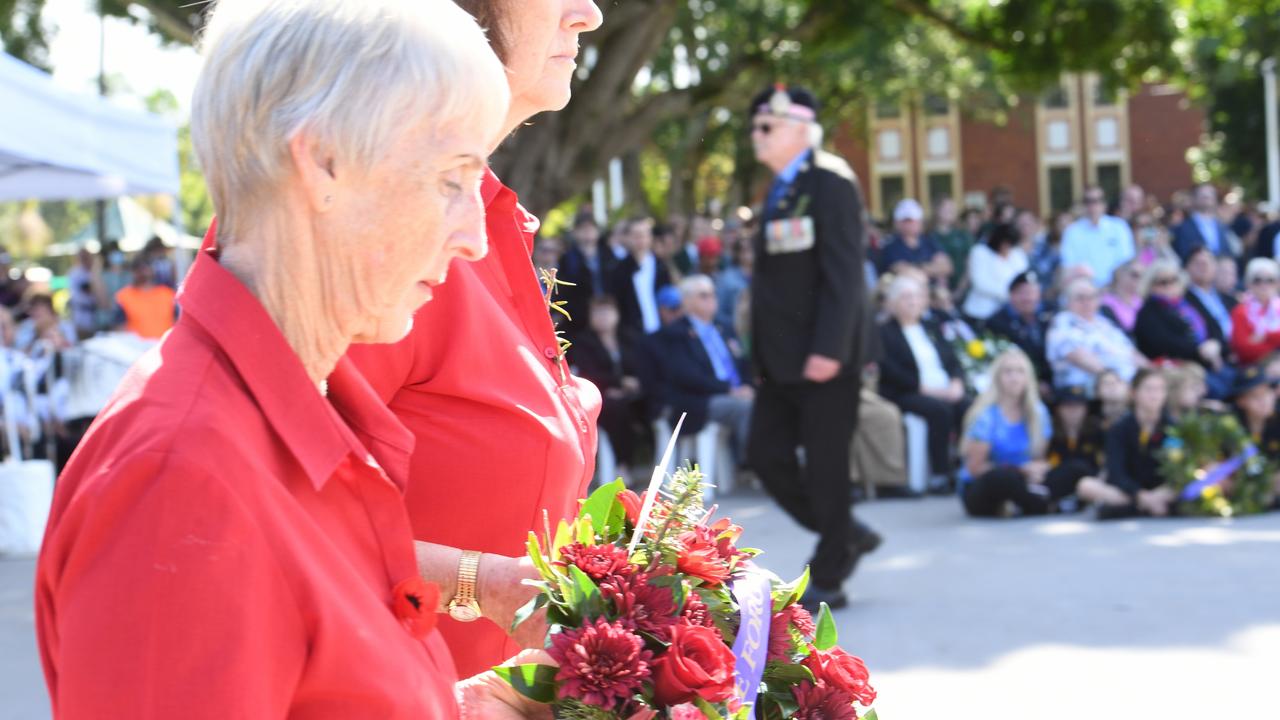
{"x":1006,"y":435}
{"x":910,"y":245}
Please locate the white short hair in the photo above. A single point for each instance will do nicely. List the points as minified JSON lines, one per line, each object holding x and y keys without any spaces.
{"x":693,"y":284}
{"x":901,"y":284}
{"x":355,"y":73}
{"x":1259,"y":266}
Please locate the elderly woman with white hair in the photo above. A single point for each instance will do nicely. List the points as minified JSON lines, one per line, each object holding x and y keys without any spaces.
{"x":1255,"y":322}
{"x":230,"y":540}
{"x":1168,"y":327}
{"x":1082,"y":344}
{"x":919,"y":372}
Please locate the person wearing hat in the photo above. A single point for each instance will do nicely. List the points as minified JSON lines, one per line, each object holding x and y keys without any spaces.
{"x":1075,"y":448}
{"x":710,"y":250}
{"x":1254,"y":397}
{"x":992,"y":267}
{"x":1024,"y":321}
{"x":910,"y":245}
{"x":807,"y":334}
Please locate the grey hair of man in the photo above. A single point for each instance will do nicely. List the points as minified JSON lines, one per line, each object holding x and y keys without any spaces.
{"x":691,"y":285}
{"x":353,"y":73}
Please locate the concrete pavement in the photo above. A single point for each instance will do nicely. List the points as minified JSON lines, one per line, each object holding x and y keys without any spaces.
{"x":1041,"y":619}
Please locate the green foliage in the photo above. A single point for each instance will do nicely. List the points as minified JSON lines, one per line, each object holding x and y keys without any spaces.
{"x":1199,"y":443}
{"x":826,"y":636}
{"x":536,"y":682}
{"x":608,"y":517}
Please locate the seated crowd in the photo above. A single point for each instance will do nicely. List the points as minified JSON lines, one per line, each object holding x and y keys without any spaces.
{"x":1046,"y":362}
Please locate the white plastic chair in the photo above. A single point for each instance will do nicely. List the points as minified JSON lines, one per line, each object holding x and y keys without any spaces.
{"x":709,"y":449}
{"x":917,"y":452}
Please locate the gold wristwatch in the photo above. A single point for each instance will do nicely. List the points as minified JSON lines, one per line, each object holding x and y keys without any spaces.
{"x":464,"y":607}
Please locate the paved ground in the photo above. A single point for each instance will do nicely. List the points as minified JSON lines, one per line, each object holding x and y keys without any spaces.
{"x":1001,"y":620}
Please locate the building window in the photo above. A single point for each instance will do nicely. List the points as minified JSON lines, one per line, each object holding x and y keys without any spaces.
{"x":1056,"y":98}
{"x":888,"y":109}
{"x":1109,"y":180}
{"x":892,"y":189}
{"x":935,"y":104}
{"x":1061,"y":188}
{"x":940,"y":187}
{"x":1104,"y":94}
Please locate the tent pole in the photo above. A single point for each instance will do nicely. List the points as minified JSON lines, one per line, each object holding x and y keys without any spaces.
{"x":100,"y":206}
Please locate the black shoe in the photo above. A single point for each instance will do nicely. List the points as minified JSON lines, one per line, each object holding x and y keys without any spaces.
{"x":1117,"y":512}
{"x":865,"y":541}
{"x":814,"y":596}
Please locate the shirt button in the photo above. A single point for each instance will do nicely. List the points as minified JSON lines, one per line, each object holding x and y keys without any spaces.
{"x":550,"y":352}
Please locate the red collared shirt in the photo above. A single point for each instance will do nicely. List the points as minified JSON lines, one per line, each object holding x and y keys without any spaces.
{"x":502,"y":430}
{"x":223,"y":544}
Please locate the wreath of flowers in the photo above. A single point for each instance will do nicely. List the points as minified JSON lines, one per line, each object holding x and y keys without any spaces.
{"x":1199,"y":447}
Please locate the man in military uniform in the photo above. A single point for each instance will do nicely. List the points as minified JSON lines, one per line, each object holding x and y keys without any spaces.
{"x":808,"y":323}
{"x":1024,"y":321}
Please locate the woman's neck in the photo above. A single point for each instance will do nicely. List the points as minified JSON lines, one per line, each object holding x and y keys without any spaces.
{"x":1146,"y":418}
{"x":281,"y":266}
{"x":1010,"y":406}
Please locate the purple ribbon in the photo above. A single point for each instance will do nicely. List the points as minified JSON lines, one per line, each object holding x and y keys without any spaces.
{"x":1218,"y":473}
{"x":755,"y":605}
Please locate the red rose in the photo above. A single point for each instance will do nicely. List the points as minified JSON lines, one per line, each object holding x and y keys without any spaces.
{"x":631,"y":502}
{"x":839,"y":669}
{"x":698,"y":664}
{"x":699,"y":557}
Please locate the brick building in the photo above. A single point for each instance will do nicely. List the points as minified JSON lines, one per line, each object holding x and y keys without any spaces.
{"x":1047,"y":151}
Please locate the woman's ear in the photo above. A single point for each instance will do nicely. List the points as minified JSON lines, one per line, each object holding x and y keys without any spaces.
{"x":315,"y":167}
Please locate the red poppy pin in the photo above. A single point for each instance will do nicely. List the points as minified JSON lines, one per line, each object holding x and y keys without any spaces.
{"x":414,"y":602}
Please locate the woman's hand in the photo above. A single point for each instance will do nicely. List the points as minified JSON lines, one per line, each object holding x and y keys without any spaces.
{"x":502,"y":592}
{"x":1211,"y":352}
{"x":488,"y":697}
{"x":1035,"y":470}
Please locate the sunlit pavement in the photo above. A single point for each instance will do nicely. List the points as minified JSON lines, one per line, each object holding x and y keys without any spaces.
{"x":1060,"y":617}
{"x":1000,"y":620}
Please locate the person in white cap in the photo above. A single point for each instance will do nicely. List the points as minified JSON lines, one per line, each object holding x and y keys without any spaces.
{"x":910,"y":245}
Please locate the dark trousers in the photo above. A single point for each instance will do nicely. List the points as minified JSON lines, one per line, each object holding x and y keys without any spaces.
{"x":820,"y":418}
{"x":942,"y":418}
{"x":986,"y":494}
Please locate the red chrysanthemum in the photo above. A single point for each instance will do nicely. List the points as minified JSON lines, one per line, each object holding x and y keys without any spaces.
{"x":597,"y":561}
{"x":837,"y":668}
{"x":822,"y":702}
{"x":781,"y":642}
{"x":601,"y":663}
{"x":696,"y":612}
{"x":641,"y":606}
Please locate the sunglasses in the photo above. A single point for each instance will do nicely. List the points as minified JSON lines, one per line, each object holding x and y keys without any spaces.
{"x":1160,"y":282}
{"x":763,"y":128}
{"x":1263,"y":281}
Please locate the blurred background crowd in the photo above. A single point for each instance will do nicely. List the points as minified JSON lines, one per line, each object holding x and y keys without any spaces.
{"x":1041,"y":359}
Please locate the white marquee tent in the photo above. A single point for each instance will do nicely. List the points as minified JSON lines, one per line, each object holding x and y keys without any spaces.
{"x":60,"y":145}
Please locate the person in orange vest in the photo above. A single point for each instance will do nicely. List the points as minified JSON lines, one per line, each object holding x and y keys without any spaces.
{"x":145,"y":308}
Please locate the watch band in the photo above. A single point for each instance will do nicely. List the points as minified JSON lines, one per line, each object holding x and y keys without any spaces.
{"x":465,"y":607}
{"x":468,"y":572}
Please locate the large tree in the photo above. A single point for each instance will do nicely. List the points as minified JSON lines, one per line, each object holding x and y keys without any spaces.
{"x":675,"y":74}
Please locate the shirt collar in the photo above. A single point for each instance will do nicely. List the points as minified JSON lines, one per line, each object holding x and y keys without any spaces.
{"x":789,"y":173}
{"x":309,"y":426}
{"x":698,"y":325}
{"x":498,"y":198}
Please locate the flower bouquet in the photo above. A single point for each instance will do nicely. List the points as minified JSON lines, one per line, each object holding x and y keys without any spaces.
{"x":976,"y":356}
{"x":1215,"y":468}
{"x":655,"y":612}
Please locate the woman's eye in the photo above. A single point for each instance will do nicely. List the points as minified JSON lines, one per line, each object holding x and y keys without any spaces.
{"x":450,"y":188}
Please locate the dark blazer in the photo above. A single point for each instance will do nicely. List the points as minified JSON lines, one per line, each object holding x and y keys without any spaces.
{"x":899,"y":373}
{"x":688,"y":374}
{"x":591,"y":360}
{"x":1160,"y":332}
{"x":812,"y":300}
{"x":1187,"y":237}
{"x":624,"y":291}
{"x":1216,"y":331}
{"x":1131,"y":465}
{"x":1266,"y":245}
{"x":573,"y":268}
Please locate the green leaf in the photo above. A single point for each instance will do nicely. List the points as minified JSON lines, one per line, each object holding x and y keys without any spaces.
{"x":826,"y":637}
{"x":871,"y":715}
{"x":707,"y":709}
{"x":785,"y":595}
{"x":599,"y":505}
{"x":536,"y":603}
{"x":590,"y":604}
{"x":536,"y":682}
{"x":534,"y":549}
{"x":786,"y":673}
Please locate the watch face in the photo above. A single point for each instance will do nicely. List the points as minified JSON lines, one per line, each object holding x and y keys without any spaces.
{"x":464,"y":613}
